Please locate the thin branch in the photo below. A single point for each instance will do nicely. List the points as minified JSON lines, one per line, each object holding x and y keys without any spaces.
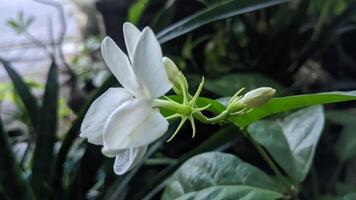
{"x":62,"y":32}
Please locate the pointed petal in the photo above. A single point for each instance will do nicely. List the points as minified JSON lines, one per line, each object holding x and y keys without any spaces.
{"x":94,"y":120}
{"x":148,"y":66}
{"x":128,"y":159}
{"x":119,"y":65}
{"x":122,"y":123}
{"x":131,"y":35}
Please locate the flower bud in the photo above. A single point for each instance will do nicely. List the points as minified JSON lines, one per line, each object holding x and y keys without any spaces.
{"x":176,"y":77}
{"x":258,"y":97}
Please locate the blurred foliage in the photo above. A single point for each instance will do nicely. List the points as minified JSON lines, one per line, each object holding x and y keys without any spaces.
{"x":274,"y":152}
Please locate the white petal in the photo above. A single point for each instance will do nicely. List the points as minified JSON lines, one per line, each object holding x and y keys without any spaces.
{"x":127,"y":159}
{"x":119,"y":65}
{"x":148,"y":65}
{"x":131,"y":35}
{"x":123,"y":122}
{"x":154,"y":126}
{"x":94,"y":120}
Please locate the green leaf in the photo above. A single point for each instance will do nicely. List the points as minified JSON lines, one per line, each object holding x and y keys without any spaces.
{"x":136,"y":10}
{"x":121,"y":183}
{"x":24,"y":92}
{"x":164,"y":16}
{"x":214,"y":12}
{"x":228,"y":85}
{"x":223,"y":138}
{"x":12,"y":182}
{"x":345,"y":147}
{"x":230,"y":192}
{"x":350,"y":196}
{"x":71,"y":135}
{"x":291,"y":141}
{"x":217,"y":175}
{"x":43,"y":154}
{"x":277,"y":105}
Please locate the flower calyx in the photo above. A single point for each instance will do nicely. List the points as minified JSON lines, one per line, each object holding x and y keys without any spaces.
{"x":185,"y":110}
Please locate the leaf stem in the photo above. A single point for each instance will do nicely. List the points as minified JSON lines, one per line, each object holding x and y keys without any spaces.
{"x":270,"y":163}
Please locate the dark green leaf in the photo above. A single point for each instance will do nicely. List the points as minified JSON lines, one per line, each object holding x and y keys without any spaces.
{"x":223,"y":138}
{"x":237,"y":192}
{"x":351,"y":196}
{"x":43,"y":155}
{"x":24,"y":92}
{"x":230,"y":84}
{"x":164,"y":16}
{"x":12,"y":182}
{"x":345,"y":147}
{"x":122,"y":182}
{"x":217,"y":174}
{"x":214,"y":12}
{"x":291,"y":141}
{"x":136,"y":10}
{"x":71,"y":135}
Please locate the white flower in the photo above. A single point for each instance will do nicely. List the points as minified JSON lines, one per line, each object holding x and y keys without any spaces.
{"x":123,"y":119}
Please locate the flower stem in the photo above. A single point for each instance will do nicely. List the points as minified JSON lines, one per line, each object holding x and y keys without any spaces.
{"x":172,"y":106}
{"x":214,"y":120}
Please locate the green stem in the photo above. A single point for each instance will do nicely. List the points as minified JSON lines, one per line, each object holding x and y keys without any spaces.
{"x":172,"y":106}
{"x":214,"y":120}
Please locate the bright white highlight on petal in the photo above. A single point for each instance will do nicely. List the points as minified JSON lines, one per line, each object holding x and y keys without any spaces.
{"x":93,"y":123}
{"x":148,"y":65}
{"x":152,"y":128}
{"x":125,"y":160}
{"x":122,"y":123}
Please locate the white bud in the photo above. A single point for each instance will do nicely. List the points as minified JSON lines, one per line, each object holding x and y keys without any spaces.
{"x":171,"y":69}
{"x":176,"y":77}
{"x":258,"y":97}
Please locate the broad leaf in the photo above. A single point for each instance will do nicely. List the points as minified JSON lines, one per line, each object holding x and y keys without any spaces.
{"x":345,"y":147}
{"x":228,"y":85}
{"x":230,"y":192}
{"x":214,"y":12}
{"x":291,"y":141}
{"x":351,"y":196}
{"x":24,"y":92}
{"x":217,"y":175}
{"x":43,"y":154}
{"x":220,"y":140}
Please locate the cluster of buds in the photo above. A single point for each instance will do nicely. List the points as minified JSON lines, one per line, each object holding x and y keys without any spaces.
{"x":237,"y":105}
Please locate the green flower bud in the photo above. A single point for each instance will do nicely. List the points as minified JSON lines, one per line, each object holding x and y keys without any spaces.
{"x":176,"y":77}
{"x":258,"y":97}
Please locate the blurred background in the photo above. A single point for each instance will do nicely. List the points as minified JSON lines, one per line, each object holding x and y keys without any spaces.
{"x":296,"y":46}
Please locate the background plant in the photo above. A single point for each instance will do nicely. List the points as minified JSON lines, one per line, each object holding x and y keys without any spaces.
{"x":295,"y":47}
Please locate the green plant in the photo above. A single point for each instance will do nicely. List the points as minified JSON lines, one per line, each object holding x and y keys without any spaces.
{"x":283,"y":141}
